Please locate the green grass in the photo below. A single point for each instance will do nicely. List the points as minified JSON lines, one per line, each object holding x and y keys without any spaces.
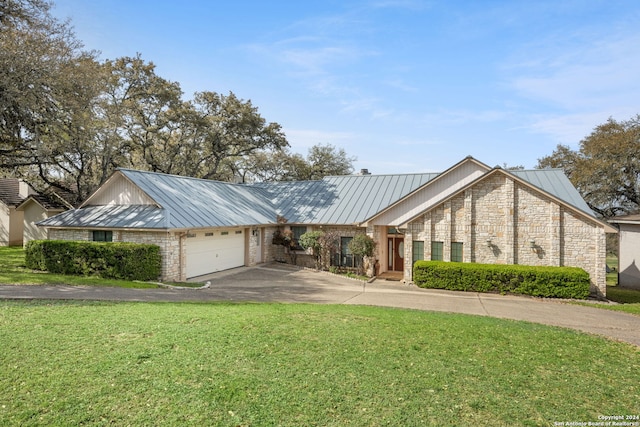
{"x":78,"y":363}
{"x":612,"y":263}
{"x":13,"y":271}
{"x":628,"y":299}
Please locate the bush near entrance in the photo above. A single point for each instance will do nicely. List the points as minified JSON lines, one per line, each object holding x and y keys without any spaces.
{"x":548,"y":282}
{"x":117,"y":260}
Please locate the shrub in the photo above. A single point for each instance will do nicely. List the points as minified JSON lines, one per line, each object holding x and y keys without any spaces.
{"x":117,"y":260}
{"x":548,"y":282}
{"x":311,"y":240}
{"x":362,"y":246}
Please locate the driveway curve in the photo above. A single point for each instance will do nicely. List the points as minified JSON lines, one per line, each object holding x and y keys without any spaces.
{"x":282,"y":283}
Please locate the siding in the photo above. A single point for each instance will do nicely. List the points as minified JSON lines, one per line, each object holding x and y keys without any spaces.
{"x":119,"y":191}
{"x":511,"y":216}
{"x":426,"y":197}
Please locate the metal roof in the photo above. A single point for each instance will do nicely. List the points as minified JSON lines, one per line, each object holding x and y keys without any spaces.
{"x":347,"y":199}
{"x":197,"y":203}
{"x":556,"y":183}
{"x":111,"y":216}
{"x":185,"y":203}
{"x":188,"y":203}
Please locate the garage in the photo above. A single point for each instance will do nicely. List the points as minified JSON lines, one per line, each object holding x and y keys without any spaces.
{"x":211,"y":251}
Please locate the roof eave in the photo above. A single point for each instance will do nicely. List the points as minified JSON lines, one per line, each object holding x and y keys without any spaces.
{"x":607,"y":227}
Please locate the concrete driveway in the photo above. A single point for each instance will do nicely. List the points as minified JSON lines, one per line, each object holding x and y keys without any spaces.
{"x":282,"y":283}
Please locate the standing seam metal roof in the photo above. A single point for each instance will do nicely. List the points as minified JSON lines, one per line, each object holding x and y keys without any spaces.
{"x":188,"y":203}
{"x":348,"y":199}
{"x":556,"y":183}
{"x":185,"y":203}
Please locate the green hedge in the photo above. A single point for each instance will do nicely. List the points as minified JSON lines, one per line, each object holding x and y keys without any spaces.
{"x":117,"y":260}
{"x":548,"y":282}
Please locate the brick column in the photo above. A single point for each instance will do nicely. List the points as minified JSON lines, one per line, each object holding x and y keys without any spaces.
{"x":468,"y":254}
{"x":408,"y":256}
{"x":427,"y":236}
{"x":510,"y":212}
{"x":555,"y":224}
{"x":600,"y":276}
{"x":446,"y":250}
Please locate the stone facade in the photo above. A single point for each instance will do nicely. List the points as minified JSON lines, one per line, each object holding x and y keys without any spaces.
{"x":171,"y":246}
{"x":303,"y":258}
{"x":500,"y":221}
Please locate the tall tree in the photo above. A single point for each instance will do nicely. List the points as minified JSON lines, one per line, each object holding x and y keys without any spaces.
{"x":606,"y":167}
{"x":231,"y":129}
{"x":37,"y":53}
{"x":141,"y":113}
{"x":282,"y":165}
{"x":326,"y":159}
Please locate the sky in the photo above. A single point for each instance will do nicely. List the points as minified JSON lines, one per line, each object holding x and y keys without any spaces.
{"x":404,"y":86}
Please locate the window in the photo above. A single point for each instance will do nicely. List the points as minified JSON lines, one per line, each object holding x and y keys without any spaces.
{"x":436,"y":251}
{"x":456,"y":252}
{"x":208,"y":234}
{"x":345,"y":258}
{"x":102,"y":236}
{"x":297,"y":232}
{"x":418,"y":250}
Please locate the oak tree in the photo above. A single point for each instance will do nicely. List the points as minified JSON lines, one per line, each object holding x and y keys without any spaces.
{"x":606,"y":167}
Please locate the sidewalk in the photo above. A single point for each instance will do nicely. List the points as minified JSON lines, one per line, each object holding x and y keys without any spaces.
{"x":279,"y":283}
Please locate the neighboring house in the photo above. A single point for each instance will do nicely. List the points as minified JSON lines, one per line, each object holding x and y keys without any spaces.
{"x":469,"y":213}
{"x":37,"y":207}
{"x":629,"y":250}
{"x":20,"y":208}
{"x":12,"y":192}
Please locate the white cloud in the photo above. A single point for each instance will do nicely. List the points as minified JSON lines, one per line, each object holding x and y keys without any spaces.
{"x":570,"y":129}
{"x":584,"y":83}
{"x":595,"y":75}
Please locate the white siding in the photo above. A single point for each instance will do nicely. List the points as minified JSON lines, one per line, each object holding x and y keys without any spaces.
{"x":119,"y":191}
{"x":431,"y":194}
{"x":629,"y":260}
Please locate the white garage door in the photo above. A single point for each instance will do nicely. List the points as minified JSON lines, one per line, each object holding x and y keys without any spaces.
{"x":214,"y":251}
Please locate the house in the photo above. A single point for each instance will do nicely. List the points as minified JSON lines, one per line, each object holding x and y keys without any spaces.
{"x":469,"y":213}
{"x":37,"y":207}
{"x":629,"y":250}
{"x":12,"y":192}
{"x":21,"y":208}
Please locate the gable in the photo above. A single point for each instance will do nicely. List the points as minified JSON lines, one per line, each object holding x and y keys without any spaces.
{"x":118,"y":190}
{"x":500,"y":190}
{"x":178,"y":202}
{"x":13,"y":191}
{"x":430,"y":194}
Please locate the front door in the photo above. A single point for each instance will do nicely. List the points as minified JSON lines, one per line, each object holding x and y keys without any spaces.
{"x":395,"y":249}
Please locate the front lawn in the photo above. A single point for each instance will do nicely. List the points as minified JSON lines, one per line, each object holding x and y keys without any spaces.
{"x":13,"y":271}
{"x":628,"y":300}
{"x":79,"y":363}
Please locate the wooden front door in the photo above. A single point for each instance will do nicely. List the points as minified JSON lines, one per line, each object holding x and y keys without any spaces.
{"x":395,"y":250}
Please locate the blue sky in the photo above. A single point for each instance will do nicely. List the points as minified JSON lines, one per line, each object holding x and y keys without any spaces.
{"x":403,"y":85}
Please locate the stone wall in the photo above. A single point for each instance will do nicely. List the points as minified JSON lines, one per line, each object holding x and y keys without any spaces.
{"x":500,"y":221}
{"x":279,"y":253}
{"x":169,"y":243}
